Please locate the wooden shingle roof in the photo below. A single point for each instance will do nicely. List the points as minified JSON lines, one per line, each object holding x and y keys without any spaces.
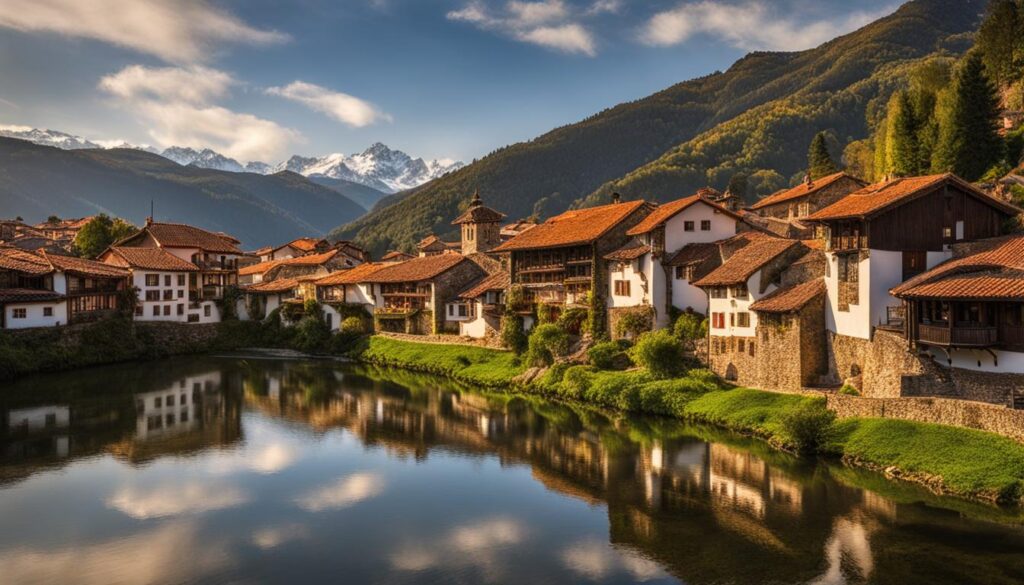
{"x":477,"y":212}
{"x":28,"y":295}
{"x":308,"y":260}
{"x":497,"y":281}
{"x":574,"y":227}
{"x":272,"y":287}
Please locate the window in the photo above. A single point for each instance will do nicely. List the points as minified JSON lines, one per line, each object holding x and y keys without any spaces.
{"x":152,"y":280}
{"x":804,"y":209}
{"x":718,"y":292}
{"x":167,"y":310}
{"x":167,"y":280}
{"x":152,"y":295}
{"x":718,"y":320}
{"x":740,"y":291}
{"x":156,"y":310}
{"x":451,"y":310}
{"x":750,"y":348}
{"x":743,"y":320}
{"x":168,"y":294}
{"x":329,"y":319}
{"x":684,"y":273}
{"x":742,"y":345}
{"x":947,"y":233}
{"x":158,"y":402}
{"x":206,"y":311}
{"x":47,"y":311}
{"x":621,"y":288}
{"x":19,"y":313}
{"x":462,"y":311}
{"x":138,"y":310}
{"x":181,"y":293}
{"x":960,"y":230}
{"x":181,"y":308}
{"x":184,"y":416}
{"x":687,"y":226}
{"x":705,"y":225}
{"x":181,"y":280}
{"x":170,"y":400}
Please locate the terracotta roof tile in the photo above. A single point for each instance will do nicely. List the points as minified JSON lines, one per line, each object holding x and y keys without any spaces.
{"x":632,"y":250}
{"x":574,"y":227}
{"x":878,"y":197}
{"x":497,"y":281}
{"x":152,"y":259}
{"x":802,"y":190}
{"x":308,"y":260}
{"x":792,"y":298}
{"x":666,"y":211}
{"x":12,"y":258}
{"x":272,"y":287}
{"x":351,"y":276}
{"x":757,"y":250}
{"x":417,"y":269}
{"x":692,"y":254}
{"x":85,"y":267}
{"x":477,"y":212}
{"x":26,"y":295}
{"x":995,"y":271}
{"x":179,"y":235}
{"x":396,"y":256}
{"x":304,"y":244}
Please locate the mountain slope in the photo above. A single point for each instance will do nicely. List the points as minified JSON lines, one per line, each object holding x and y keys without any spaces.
{"x":548,"y":174}
{"x":367,"y":197}
{"x":38,"y":181}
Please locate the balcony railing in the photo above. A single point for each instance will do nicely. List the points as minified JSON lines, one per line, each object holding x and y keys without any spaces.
{"x":848,"y":242}
{"x":960,"y":336}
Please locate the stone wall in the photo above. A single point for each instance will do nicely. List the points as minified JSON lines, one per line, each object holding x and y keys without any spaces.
{"x":615,"y":314}
{"x":735,"y":359}
{"x":445,"y":287}
{"x":960,"y":413}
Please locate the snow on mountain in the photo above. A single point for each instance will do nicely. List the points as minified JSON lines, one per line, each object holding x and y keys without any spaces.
{"x":378,"y":166}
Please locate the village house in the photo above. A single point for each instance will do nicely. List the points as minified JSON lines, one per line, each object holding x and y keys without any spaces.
{"x":433,"y":245}
{"x":752,"y":268}
{"x":263,"y":298}
{"x":480,"y":227}
{"x":214,"y":268}
{"x":968,"y":312}
{"x":560,"y":261}
{"x":43,"y":289}
{"x":641,"y":274}
{"x":409,"y":297}
{"x":511,"y":230}
{"x":62,"y":230}
{"x":808,"y":197}
{"x":319,"y":264}
{"x":478,"y":310}
{"x":396,"y":256}
{"x":162,"y":282}
{"x":347,"y":288}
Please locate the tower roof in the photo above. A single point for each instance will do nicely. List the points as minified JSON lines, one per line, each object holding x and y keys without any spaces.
{"x":477,"y":212}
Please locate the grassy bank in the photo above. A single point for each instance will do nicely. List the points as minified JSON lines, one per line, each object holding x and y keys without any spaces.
{"x":949,"y":460}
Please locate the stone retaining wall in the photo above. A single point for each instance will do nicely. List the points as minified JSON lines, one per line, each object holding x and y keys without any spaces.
{"x":960,"y":413}
{"x":490,"y":343}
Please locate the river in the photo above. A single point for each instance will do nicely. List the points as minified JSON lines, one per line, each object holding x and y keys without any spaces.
{"x":238,"y":469}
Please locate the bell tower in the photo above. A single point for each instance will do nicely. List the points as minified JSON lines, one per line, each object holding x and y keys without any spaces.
{"x":481,"y":227}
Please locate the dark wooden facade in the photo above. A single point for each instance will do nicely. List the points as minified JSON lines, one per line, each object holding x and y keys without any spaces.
{"x":965,"y":323}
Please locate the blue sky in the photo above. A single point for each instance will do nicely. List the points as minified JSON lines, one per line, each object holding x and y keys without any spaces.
{"x":263,"y":79}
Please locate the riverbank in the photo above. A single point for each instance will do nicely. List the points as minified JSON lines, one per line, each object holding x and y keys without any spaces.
{"x":948,"y":460}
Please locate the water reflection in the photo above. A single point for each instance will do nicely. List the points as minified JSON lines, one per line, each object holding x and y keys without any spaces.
{"x":264,"y":470}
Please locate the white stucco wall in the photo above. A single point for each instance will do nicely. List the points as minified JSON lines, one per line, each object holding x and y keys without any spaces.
{"x":722,"y":226}
{"x":475,"y":327}
{"x":34,"y":419}
{"x":686,"y":295}
{"x":886,"y":272}
{"x":180,"y":293}
{"x":632,"y":273}
{"x":34,"y":316}
{"x":732,"y":305}
{"x":1010,"y":362}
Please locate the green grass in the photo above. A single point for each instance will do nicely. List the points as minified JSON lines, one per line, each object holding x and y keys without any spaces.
{"x":749,"y":411}
{"x":474,"y":365}
{"x":969,"y":462}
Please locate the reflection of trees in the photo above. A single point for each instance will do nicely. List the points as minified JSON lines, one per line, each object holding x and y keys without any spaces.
{"x":111,"y":410}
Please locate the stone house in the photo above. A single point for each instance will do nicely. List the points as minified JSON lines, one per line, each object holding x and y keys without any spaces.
{"x":478,"y":310}
{"x":791,"y":323}
{"x":561,"y":261}
{"x":480,"y":226}
{"x":263,"y":298}
{"x":433,"y":245}
{"x":640,"y":273}
{"x":347,"y":288}
{"x":753,"y":264}
{"x":807,"y":197}
{"x":320,"y":264}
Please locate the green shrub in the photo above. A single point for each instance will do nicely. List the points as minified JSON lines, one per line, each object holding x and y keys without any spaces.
{"x":634,"y":323}
{"x":809,"y":425}
{"x":512,"y":335}
{"x":690,"y":328}
{"x":849,"y":390}
{"x":610,"y":355}
{"x":660,"y":352}
{"x":546,"y":343}
{"x":312,"y":333}
{"x":576,"y":382}
{"x":573,"y":319}
{"x":353,"y":326}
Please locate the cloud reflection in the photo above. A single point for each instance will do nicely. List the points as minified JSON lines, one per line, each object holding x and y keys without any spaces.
{"x":597,"y":560}
{"x":274,"y":536}
{"x":343,"y":493}
{"x":473,"y":545}
{"x":175,"y":500}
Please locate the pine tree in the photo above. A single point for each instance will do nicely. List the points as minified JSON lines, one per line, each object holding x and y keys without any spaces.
{"x":969,"y":142}
{"x":819,"y":160}
{"x":902,"y":137}
{"x":1001,"y":41}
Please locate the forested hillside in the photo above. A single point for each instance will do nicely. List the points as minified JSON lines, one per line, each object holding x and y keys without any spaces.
{"x":38,"y":181}
{"x":760,"y":114}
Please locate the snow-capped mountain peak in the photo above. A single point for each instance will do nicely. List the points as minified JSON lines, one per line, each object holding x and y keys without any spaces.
{"x":47,"y":137}
{"x":204,"y":159}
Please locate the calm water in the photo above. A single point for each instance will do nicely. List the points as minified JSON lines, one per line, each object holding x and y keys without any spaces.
{"x":243,"y":470}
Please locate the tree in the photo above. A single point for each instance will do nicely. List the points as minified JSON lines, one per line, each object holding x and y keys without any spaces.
{"x":53,"y":220}
{"x":97,"y":235}
{"x":1001,"y":41}
{"x":819,"y":160}
{"x":902,"y":141}
{"x":968,"y":140}
{"x":738,"y":185}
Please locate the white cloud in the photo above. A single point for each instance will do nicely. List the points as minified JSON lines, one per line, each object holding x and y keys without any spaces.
{"x":343,"y":493}
{"x":597,"y":560}
{"x":478,"y":544}
{"x":340,"y":106}
{"x":175,"y":500}
{"x":178,"y":31}
{"x":275,"y":536}
{"x":176,"y":104}
{"x":605,"y":6}
{"x":751,"y":25}
{"x":547,"y":23}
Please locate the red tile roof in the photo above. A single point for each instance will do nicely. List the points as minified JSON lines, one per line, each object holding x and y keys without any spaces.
{"x":179,"y":235}
{"x":632,"y":250}
{"x":304,"y":244}
{"x":27,"y":295}
{"x":308,"y":260}
{"x":12,"y":258}
{"x":790,"y":299}
{"x":151,"y":259}
{"x":477,"y":212}
{"x":757,"y":250}
{"x":272,"y":287}
{"x":497,"y":281}
{"x":802,"y":190}
{"x":396,"y":256}
{"x":666,"y":211}
{"x":881,"y":196}
{"x":574,"y":227}
{"x":417,"y":269}
{"x":351,"y":276}
{"x":995,"y":271}
{"x":84,"y":267}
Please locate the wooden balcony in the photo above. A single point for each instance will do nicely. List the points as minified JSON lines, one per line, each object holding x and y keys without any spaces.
{"x":837,"y":243}
{"x":1011,"y":335}
{"x":958,"y":336}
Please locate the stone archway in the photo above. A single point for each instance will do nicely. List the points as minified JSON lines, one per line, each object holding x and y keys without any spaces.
{"x":731,"y":373}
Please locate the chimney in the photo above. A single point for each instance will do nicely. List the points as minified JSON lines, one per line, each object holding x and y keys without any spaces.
{"x":616,"y":197}
{"x":149,"y":221}
{"x":808,"y":179}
